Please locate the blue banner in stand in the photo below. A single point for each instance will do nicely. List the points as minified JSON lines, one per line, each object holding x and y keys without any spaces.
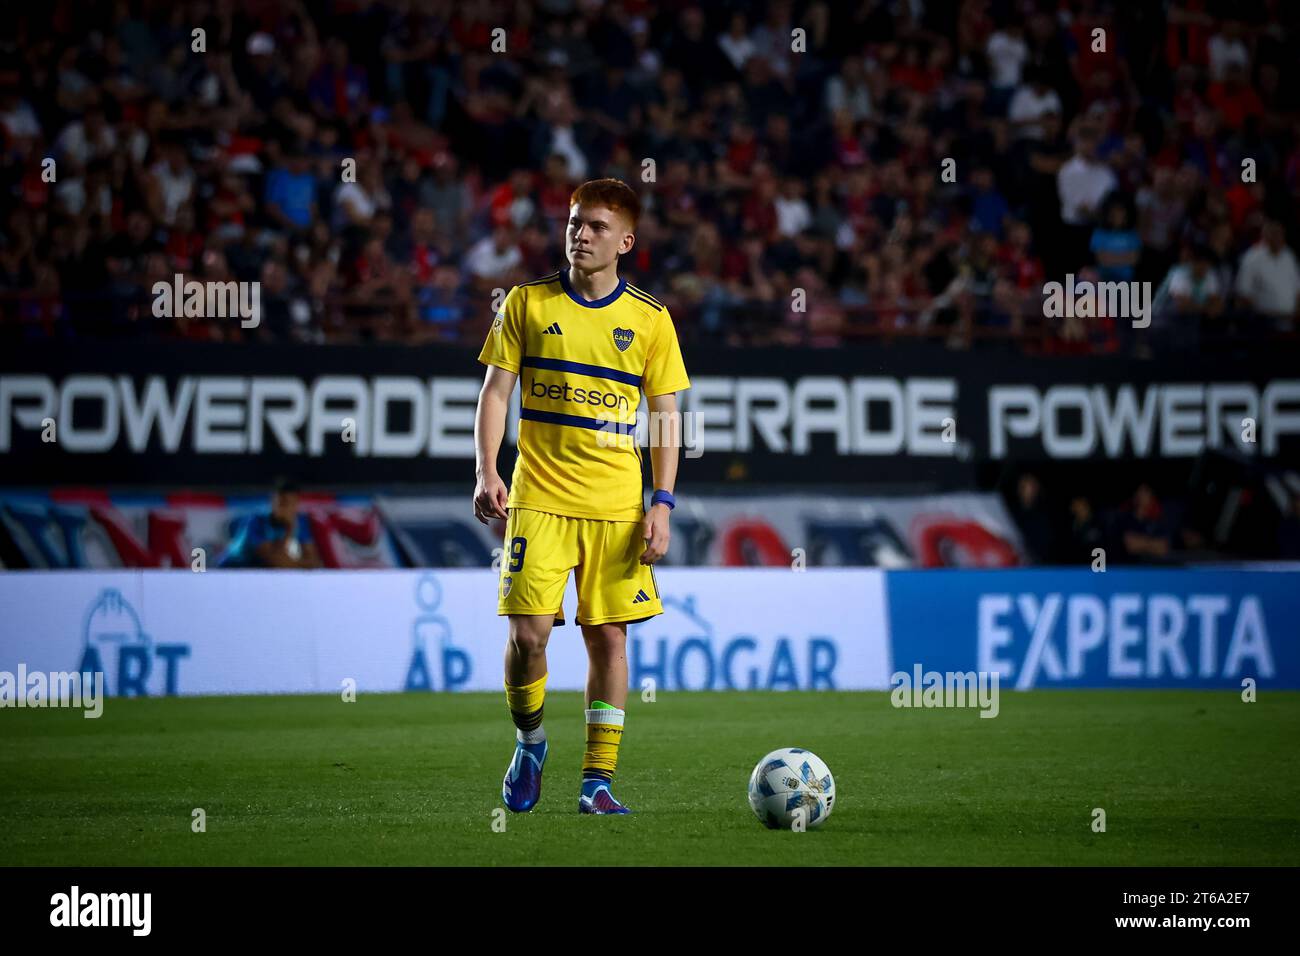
{"x":1119,"y":628}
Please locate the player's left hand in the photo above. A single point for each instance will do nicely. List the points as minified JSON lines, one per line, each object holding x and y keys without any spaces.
{"x":654,"y":528}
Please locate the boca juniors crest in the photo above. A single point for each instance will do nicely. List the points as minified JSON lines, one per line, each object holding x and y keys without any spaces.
{"x":623,"y":338}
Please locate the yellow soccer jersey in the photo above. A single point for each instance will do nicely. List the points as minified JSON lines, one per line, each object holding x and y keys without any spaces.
{"x":581,"y":367}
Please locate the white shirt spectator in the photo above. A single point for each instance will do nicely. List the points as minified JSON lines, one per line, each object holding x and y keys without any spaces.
{"x":1270,"y":281}
{"x":485,"y":261}
{"x":177,"y":187}
{"x":738,"y":50}
{"x":358,"y":200}
{"x":856,"y":100}
{"x":75,"y":197}
{"x":1183,"y":283}
{"x":792,"y":215}
{"x":71,"y":195}
{"x":1080,"y":183}
{"x":649,"y":64}
{"x":135,"y":144}
{"x":1223,"y":53}
{"x":21,"y":121}
{"x":1006,"y":55}
{"x":74,"y":143}
{"x":1028,"y":104}
{"x":566,"y":144}
{"x":522,"y":210}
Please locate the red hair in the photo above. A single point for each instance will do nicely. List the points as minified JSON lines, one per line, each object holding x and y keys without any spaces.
{"x":613,"y":194}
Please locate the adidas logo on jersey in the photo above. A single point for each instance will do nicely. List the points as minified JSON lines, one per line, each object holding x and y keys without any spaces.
{"x":553,"y":329}
{"x":641,"y":597}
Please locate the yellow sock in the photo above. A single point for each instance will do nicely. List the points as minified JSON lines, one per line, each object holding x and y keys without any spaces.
{"x":525,"y":702}
{"x":604,"y":734}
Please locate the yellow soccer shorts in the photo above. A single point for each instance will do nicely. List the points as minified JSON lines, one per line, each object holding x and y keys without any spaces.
{"x":540,"y":551}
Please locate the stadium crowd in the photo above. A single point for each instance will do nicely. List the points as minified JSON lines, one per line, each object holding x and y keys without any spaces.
{"x":1113,"y":156}
{"x":1147,"y":527}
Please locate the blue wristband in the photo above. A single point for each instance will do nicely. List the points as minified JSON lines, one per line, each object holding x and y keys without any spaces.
{"x":662,"y":497}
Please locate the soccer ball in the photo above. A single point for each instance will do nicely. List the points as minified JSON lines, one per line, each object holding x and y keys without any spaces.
{"x":789,"y":783}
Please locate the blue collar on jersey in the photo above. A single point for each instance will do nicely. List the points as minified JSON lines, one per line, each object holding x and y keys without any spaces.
{"x":594,"y":303}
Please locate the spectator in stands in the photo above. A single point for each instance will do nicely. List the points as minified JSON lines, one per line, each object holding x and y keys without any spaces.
{"x":1142,"y":529}
{"x":1227,"y":49}
{"x":210,"y":145}
{"x":989,"y":208}
{"x":173,"y":183}
{"x":450,"y":198}
{"x":1115,"y":243}
{"x":848,"y":91}
{"x":1085,"y":531}
{"x":1162,"y":206}
{"x":1033,"y":100}
{"x":493,"y":258}
{"x":1268,"y":282}
{"x":87,"y":139}
{"x":793,"y":216}
{"x":1223,"y":259}
{"x":1235,"y":99}
{"x":339,"y":87}
{"x":291,"y":192}
{"x":278,"y":538}
{"x":563,"y":135}
{"x":1083,"y":183}
{"x":357,"y":203}
{"x":1034,"y":520}
{"x":737,"y":43}
{"x":1189,"y":298}
{"x":1007,"y":53}
{"x":285,"y":312}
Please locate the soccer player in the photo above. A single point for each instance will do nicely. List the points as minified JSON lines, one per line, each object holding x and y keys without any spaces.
{"x":583,"y":344}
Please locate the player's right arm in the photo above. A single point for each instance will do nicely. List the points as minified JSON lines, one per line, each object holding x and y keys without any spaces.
{"x":503,"y":354}
{"x":490,"y":493}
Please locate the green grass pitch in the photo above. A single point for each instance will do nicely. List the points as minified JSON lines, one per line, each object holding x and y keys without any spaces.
{"x":1185,"y":778}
